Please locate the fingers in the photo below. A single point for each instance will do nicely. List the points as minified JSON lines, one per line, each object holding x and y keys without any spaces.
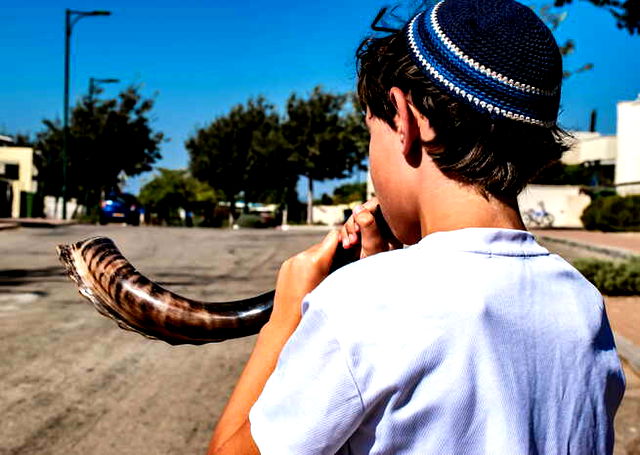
{"x":326,"y":249}
{"x":319,"y":257}
{"x":349,"y":233}
{"x":298,"y":276}
{"x":371,"y":239}
{"x":367,"y":228}
{"x":371,"y":205}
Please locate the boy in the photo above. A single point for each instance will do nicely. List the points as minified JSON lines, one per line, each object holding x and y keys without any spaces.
{"x":474,"y":339}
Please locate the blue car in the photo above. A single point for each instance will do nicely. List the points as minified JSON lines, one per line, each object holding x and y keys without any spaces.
{"x":120,"y":208}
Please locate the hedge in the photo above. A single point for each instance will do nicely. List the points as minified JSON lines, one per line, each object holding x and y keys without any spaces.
{"x":250,"y":220}
{"x":613,"y":213}
{"x":612,"y":278}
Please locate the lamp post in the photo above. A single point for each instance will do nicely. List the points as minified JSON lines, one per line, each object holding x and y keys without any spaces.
{"x":93,"y":84}
{"x":71,"y":18}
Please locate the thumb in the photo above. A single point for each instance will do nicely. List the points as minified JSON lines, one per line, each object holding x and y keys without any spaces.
{"x":326,"y":249}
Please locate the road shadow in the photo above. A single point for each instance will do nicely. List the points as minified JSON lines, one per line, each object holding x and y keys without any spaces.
{"x":18,"y":277}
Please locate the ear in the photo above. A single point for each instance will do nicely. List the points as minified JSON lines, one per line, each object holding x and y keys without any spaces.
{"x":405,"y":120}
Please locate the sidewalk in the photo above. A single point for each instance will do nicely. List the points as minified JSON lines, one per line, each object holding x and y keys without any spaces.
{"x":34,"y":222}
{"x":8,"y":225}
{"x":621,"y":244}
{"x":623,"y":312}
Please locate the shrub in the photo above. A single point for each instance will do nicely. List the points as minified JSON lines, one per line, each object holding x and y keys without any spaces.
{"x":249,"y":220}
{"x":613,"y":213}
{"x":612,"y":278}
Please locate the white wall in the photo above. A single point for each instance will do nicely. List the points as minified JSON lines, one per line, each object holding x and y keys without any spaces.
{"x":591,"y":147}
{"x":53,"y":208}
{"x":564,"y":202}
{"x":628,"y":162}
{"x":330,"y":215}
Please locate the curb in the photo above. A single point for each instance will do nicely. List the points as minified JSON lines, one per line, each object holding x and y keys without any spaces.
{"x":5,"y":226}
{"x":615,"y":253}
{"x":628,"y":351}
{"x":36,"y":222}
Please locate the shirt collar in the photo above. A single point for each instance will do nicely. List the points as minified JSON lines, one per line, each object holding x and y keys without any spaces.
{"x":492,"y":241}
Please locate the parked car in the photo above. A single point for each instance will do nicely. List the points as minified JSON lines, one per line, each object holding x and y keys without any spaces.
{"x":120,"y":208}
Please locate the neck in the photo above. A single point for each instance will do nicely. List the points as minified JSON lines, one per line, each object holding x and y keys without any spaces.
{"x":456,"y":206}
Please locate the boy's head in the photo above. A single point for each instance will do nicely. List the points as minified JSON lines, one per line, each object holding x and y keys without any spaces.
{"x":487,"y":76}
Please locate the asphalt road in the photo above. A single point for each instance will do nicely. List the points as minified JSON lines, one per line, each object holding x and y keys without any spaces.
{"x":72,"y":382}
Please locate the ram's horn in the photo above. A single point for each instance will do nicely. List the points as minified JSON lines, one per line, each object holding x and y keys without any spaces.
{"x":117,"y":290}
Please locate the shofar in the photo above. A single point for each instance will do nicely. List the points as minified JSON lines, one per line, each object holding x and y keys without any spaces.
{"x":117,"y":290}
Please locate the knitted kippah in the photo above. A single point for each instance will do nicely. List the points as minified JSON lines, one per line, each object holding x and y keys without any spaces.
{"x":495,"y":55}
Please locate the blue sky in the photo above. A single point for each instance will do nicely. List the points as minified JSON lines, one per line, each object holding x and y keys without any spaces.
{"x":199,"y":58}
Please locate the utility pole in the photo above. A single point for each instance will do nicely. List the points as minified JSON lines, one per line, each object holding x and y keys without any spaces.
{"x":70,"y":19}
{"x":93,"y":85}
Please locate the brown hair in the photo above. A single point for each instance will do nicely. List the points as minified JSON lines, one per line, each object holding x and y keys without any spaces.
{"x":497,"y":156}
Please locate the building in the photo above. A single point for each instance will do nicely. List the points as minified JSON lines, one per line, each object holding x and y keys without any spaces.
{"x":17,"y":179}
{"x":627,"y":169}
{"x":617,"y":158}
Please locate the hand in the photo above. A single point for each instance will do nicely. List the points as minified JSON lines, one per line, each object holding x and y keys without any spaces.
{"x":362,"y":229}
{"x":299,"y":275}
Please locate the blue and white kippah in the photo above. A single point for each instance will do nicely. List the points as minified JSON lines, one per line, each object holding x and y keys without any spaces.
{"x":495,"y":55}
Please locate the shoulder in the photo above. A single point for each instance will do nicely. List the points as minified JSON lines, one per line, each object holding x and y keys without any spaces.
{"x":373,"y":295}
{"x":370,"y":275}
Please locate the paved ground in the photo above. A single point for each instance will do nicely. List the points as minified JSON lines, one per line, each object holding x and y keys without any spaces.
{"x":624,"y":316}
{"x":73,"y":383}
{"x":624,"y":312}
{"x":622,"y":241}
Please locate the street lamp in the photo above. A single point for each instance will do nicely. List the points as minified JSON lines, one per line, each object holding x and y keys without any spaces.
{"x":71,"y":18}
{"x":93,"y":83}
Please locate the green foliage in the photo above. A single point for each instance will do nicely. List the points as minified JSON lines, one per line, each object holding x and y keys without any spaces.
{"x":325,"y":199}
{"x":325,"y":141}
{"x":627,"y":13}
{"x":575,"y":174}
{"x":19,"y":139}
{"x":239,"y":152}
{"x":251,"y":153}
{"x":107,"y":138}
{"x":173,"y":189}
{"x":326,"y":137}
{"x":350,"y":192}
{"x":250,"y":220}
{"x":554,"y":20}
{"x":613,"y":213}
{"x":612,"y":278}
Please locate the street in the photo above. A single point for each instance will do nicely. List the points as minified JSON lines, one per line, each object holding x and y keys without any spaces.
{"x":75,"y":383}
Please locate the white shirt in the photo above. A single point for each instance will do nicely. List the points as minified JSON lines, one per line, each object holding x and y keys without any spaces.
{"x":476,"y":341}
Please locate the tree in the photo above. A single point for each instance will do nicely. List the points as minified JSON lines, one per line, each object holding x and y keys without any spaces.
{"x":553,"y":21}
{"x":350,"y":192}
{"x":325,"y":141}
{"x":626,"y":13}
{"x":235,"y":152}
{"x":174,"y":189}
{"x":107,"y":139}
{"x":19,"y":139}
{"x":588,"y":175}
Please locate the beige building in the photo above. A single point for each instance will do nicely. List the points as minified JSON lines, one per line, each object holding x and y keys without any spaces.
{"x":17,"y":174}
